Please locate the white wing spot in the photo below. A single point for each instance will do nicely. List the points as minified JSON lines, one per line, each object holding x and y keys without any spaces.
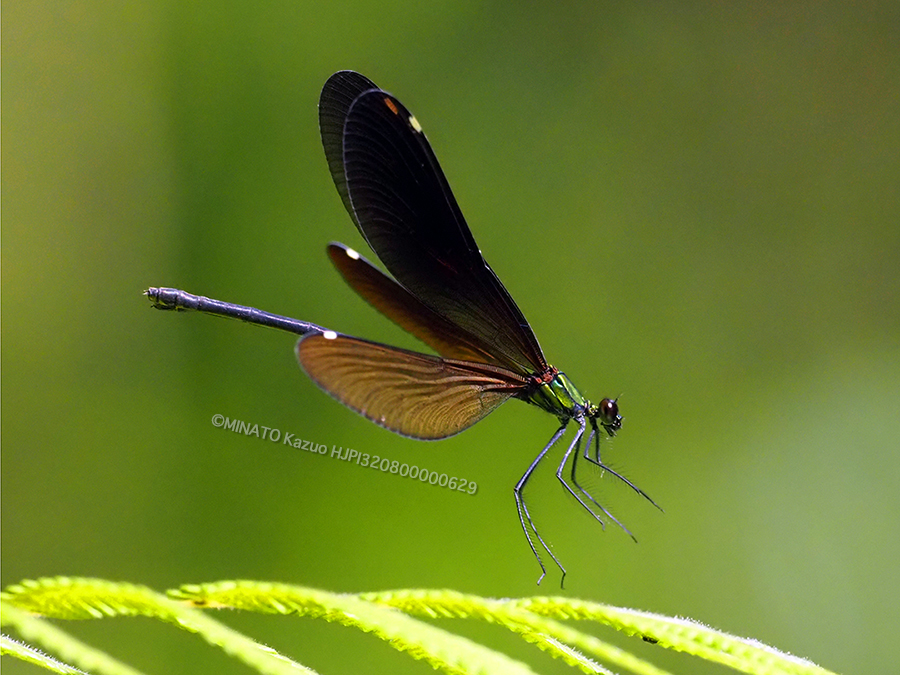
{"x":415,"y":123}
{"x":352,"y":254}
{"x":329,"y":335}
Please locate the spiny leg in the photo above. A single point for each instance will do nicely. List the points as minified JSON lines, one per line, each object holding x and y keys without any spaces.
{"x":525,"y":515}
{"x":591,"y":437}
{"x":600,"y":506}
{"x":595,"y":434}
{"x":559,"y":474}
{"x":604,"y":467}
{"x":574,"y":477}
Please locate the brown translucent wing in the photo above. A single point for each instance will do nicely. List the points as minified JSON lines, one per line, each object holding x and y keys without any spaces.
{"x":403,"y":308}
{"x":416,"y":395}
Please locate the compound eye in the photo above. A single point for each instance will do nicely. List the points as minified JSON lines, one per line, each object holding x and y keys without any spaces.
{"x":609,"y":411}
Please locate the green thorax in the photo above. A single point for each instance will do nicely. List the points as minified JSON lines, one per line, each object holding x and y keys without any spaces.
{"x":557,"y":395}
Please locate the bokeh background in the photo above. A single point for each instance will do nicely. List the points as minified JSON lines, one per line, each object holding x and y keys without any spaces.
{"x":695,"y":204}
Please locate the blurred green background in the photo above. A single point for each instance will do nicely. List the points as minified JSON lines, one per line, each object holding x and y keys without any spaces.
{"x":695,"y":204}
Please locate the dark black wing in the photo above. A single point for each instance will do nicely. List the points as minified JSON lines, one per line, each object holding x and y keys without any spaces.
{"x":337,"y":96}
{"x":405,"y":309}
{"x":403,"y":206}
